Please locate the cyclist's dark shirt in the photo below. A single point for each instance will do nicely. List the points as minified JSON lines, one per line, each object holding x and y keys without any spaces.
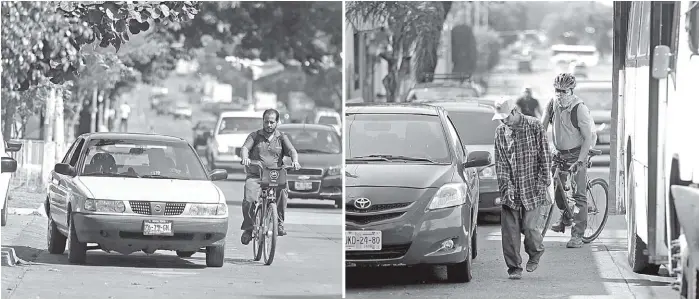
{"x":528,"y":105}
{"x":269,"y":151}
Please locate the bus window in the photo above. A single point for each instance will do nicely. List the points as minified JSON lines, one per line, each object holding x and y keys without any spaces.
{"x":644,"y":37}
{"x":632,"y":38}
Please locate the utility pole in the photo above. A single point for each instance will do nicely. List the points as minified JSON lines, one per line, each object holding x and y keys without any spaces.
{"x":93,"y":110}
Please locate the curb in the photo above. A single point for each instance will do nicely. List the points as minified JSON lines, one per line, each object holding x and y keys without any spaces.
{"x":9,"y":258}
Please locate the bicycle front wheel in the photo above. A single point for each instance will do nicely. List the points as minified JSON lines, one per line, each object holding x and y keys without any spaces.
{"x":258,"y":239}
{"x":597,"y":208}
{"x":547,"y":223}
{"x":270,"y":233}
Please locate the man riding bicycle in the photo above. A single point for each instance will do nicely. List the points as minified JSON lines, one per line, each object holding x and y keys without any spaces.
{"x":268,"y":146}
{"x":573,"y":137}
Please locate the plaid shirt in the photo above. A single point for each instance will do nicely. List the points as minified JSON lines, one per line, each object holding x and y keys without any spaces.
{"x":522,"y":163}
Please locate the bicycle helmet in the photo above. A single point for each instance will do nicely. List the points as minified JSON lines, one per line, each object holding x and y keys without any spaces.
{"x":564,"y":81}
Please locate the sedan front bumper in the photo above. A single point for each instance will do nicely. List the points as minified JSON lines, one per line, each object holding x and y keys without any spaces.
{"x":124,"y":233}
{"x":328,"y":187}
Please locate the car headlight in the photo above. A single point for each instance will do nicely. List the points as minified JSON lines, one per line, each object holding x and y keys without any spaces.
{"x":334,"y":170}
{"x":208,"y":209}
{"x":449,"y":195}
{"x":487,"y":172}
{"x":104,"y":206}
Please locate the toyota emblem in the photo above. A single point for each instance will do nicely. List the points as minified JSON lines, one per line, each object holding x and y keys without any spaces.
{"x":274,"y":174}
{"x":157,"y":208}
{"x":362,"y":203}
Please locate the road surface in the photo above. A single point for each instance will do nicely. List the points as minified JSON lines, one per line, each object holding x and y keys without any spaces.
{"x":308,"y":262}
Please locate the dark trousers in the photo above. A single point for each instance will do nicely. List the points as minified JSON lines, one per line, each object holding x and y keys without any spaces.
{"x":124,"y":125}
{"x":251,"y":195}
{"x":514,"y":223}
{"x":579,"y":194}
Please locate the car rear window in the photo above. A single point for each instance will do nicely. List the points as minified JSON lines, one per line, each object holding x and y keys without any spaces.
{"x":411,"y":135}
{"x":441,"y":93}
{"x":140,"y":158}
{"x":314,"y":141}
{"x":474,"y":127}
{"x":327,"y":120}
{"x":239,"y":124}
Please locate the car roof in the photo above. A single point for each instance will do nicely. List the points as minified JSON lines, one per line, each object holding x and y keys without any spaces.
{"x":392,"y":108}
{"x":475,"y":106}
{"x":132,"y":136}
{"x":317,"y":127}
{"x":247,"y":113}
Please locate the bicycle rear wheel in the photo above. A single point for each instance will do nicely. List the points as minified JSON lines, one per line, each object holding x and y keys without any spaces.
{"x":271,"y":230}
{"x":548,"y":221}
{"x":258,"y":240}
{"x":597,"y":208}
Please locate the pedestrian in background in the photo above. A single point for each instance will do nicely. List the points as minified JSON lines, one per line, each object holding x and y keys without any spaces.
{"x":124,"y":112}
{"x":522,"y":163}
{"x":528,"y":104}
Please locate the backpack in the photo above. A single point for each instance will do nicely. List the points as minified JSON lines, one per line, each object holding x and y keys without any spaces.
{"x":573,"y":114}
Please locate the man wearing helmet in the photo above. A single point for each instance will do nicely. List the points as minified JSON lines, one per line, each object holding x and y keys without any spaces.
{"x":528,"y":104}
{"x":573,"y":137}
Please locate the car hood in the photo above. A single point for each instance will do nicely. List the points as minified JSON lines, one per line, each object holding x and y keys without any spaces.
{"x":403,"y":175}
{"x":151,"y":189}
{"x":233,"y":139}
{"x":320,"y":160}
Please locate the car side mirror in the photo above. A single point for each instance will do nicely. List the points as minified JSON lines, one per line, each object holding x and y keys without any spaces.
{"x":13,"y":146}
{"x":64,"y":169}
{"x":478,"y":159}
{"x":218,"y":174}
{"x":8,"y":165}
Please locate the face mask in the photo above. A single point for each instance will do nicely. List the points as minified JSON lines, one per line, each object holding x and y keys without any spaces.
{"x":564,"y":99}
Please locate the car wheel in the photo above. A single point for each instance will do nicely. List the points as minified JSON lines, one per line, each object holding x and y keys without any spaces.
{"x":185,"y":253}
{"x":214,"y":255}
{"x":3,"y":221}
{"x":77,"y":251}
{"x":55,"y":241}
{"x":461,"y":272}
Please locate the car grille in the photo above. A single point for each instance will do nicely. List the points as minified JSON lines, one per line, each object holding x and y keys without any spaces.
{"x":366,"y":219}
{"x":171,"y":208}
{"x":377,"y":208}
{"x":386,"y":252}
{"x":305,"y":171}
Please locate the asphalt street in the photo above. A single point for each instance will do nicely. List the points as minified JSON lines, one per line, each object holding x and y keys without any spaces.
{"x":308,"y":262}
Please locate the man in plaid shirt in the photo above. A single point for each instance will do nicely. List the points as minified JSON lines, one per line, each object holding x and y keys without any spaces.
{"x":522,"y":163}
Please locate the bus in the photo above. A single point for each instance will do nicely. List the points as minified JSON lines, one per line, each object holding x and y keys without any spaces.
{"x":565,"y":54}
{"x":656,"y":159}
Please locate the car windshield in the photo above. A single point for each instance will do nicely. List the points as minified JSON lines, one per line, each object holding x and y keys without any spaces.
{"x":396,"y":138}
{"x":142,"y":159}
{"x":474,"y":127}
{"x":239,"y":124}
{"x":596,"y":99}
{"x":314,"y":141}
{"x":328,"y":120}
{"x":441,"y":93}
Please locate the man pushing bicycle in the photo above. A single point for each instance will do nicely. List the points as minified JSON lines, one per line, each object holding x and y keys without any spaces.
{"x":573,"y":137}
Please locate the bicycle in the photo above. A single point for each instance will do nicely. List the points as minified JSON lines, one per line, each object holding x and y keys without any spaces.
{"x":266,"y":219}
{"x":564,"y":200}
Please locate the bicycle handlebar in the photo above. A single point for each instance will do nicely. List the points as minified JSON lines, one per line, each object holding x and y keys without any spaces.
{"x":262,"y":167}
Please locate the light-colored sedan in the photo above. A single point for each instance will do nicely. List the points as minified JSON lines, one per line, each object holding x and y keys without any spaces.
{"x":135,"y":192}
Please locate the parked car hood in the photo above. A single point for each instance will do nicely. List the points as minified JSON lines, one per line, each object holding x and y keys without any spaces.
{"x":151,"y":189}
{"x":397,"y":175}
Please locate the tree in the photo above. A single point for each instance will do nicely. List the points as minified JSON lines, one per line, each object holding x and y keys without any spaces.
{"x":303,"y":31}
{"x":579,"y":22}
{"x":414,"y":30}
{"x":45,"y":38}
{"x":488,"y":43}
{"x":464,"y":53}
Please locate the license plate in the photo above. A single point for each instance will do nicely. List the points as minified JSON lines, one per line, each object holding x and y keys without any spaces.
{"x":363,"y":240}
{"x":157,"y":228}
{"x":303,"y":186}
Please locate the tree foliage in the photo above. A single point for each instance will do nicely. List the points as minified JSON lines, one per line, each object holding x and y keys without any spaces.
{"x":579,"y":22}
{"x":488,"y":43}
{"x":464,"y":49}
{"x":307,"y":32}
{"x":45,"y":38}
{"x":414,"y":31}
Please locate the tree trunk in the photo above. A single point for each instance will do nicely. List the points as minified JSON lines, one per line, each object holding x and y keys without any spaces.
{"x":93,"y":111}
{"x":9,"y":119}
{"x":50,"y":116}
{"x":59,"y":127}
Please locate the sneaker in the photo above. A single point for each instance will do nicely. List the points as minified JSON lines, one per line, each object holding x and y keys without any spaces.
{"x":533,"y":262}
{"x":515,"y":274}
{"x":246,"y":237}
{"x":575,"y":242}
{"x":281,"y":231}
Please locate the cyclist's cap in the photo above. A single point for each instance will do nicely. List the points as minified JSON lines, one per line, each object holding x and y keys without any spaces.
{"x":503,"y":108}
